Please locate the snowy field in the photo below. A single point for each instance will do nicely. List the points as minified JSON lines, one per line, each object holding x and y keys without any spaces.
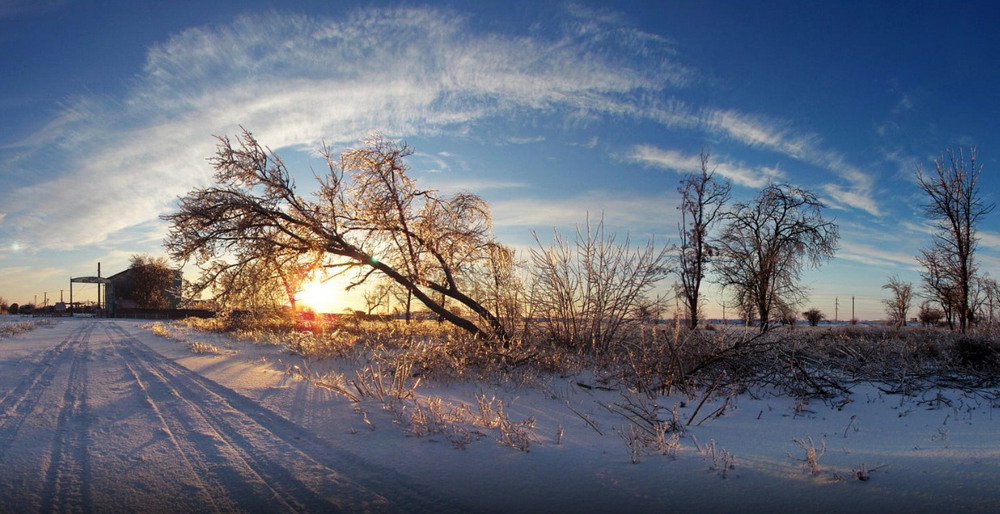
{"x":104,"y":415}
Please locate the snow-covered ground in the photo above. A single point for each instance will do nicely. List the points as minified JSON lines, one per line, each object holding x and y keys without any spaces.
{"x":103,"y":415}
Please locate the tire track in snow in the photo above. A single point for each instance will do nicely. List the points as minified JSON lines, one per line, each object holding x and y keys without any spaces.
{"x":67,"y":481}
{"x":264,"y":461}
{"x":232,"y":455}
{"x":212,"y":493}
{"x":19,"y":403}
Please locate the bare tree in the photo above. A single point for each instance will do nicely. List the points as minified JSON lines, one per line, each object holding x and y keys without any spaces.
{"x":928,"y":314}
{"x":702,"y":200}
{"x":500,"y":285}
{"x":377,"y":296}
{"x":990,"y":301}
{"x":938,"y":283}
{"x":956,"y":206}
{"x":898,"y":305}
{"x":588,"y":290}
{"x":367,"y":217}
{"x":766,"y":243}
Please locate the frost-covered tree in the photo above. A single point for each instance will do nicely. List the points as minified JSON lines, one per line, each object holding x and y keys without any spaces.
{"x":588,"y":290}
{"x":813,"y":316}
{"x":898,"y":304}
{"x":956,"y":206}
{"x":367,"y":217}
{"x":928,"y":314}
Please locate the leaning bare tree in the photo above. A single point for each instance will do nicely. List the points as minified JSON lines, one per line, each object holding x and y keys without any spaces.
{"x":765,"y":244}
{"x":956,"y":206}
{"x":898,"y":305}
{"x":367,"y":217}
{"x":702,"y":200}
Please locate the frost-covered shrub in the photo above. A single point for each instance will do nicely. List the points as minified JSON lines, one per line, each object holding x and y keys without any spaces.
{"x":13,"y":329}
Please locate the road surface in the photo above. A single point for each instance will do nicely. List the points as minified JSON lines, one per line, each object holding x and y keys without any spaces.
{"x":94,"y":420}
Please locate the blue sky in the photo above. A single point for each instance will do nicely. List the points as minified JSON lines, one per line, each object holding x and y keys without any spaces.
{"x":548,"y":110}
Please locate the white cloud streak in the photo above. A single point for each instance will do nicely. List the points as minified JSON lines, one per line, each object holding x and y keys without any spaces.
{"x":105,"y":165}
{"x":871,"y":255}
{"x":856,"y":189}
{"x":298,"y":80}
{"x":685,"y":163}
{"x":621,"y":213}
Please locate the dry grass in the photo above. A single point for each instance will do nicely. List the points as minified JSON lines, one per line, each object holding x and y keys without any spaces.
{"x":203,"y":348}
{"x":159,"y":329}
{"x":654,"y":360}
{"x":8,"y":329}
{"x":811,"y":459}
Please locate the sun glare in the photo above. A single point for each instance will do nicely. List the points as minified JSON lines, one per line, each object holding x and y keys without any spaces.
{"x":328,"y":296}
{"x":320,"y":296}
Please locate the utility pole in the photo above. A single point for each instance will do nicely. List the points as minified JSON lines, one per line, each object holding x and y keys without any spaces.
{"x":852,"y":309}
{"x":836,"y":308}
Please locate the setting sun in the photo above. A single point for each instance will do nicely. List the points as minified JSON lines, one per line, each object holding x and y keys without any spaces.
{"x":325,"y":296}
{"x":319,"y":296}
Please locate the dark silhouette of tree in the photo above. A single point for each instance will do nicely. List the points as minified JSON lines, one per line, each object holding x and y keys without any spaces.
{"x":813,"y":316}
{"x":150,"y":282}
{"x":938,"y":283}
{"x":702,"y":200}
{"x":367,"y":217}
{"x":956,"y":206}
{"x":928,"y":314}
{"x":765,"y":244}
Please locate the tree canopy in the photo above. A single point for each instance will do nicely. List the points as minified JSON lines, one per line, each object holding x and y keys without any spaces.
{"x":766,"y":243}
{"x":150,"y":283}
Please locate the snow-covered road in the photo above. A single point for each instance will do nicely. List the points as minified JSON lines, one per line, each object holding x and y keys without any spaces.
{"x":93,"y":419}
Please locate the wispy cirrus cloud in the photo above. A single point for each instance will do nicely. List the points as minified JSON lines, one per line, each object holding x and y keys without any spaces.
{"x":297,"y":80}
{"x":873,"y":255}
{"x":759,"y":131}
{"x":990,"y":240}
{"x":855,"y":188}
{"x":685,"y":163}
{"x":621,"y":212}
{"x":104,"y":165}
